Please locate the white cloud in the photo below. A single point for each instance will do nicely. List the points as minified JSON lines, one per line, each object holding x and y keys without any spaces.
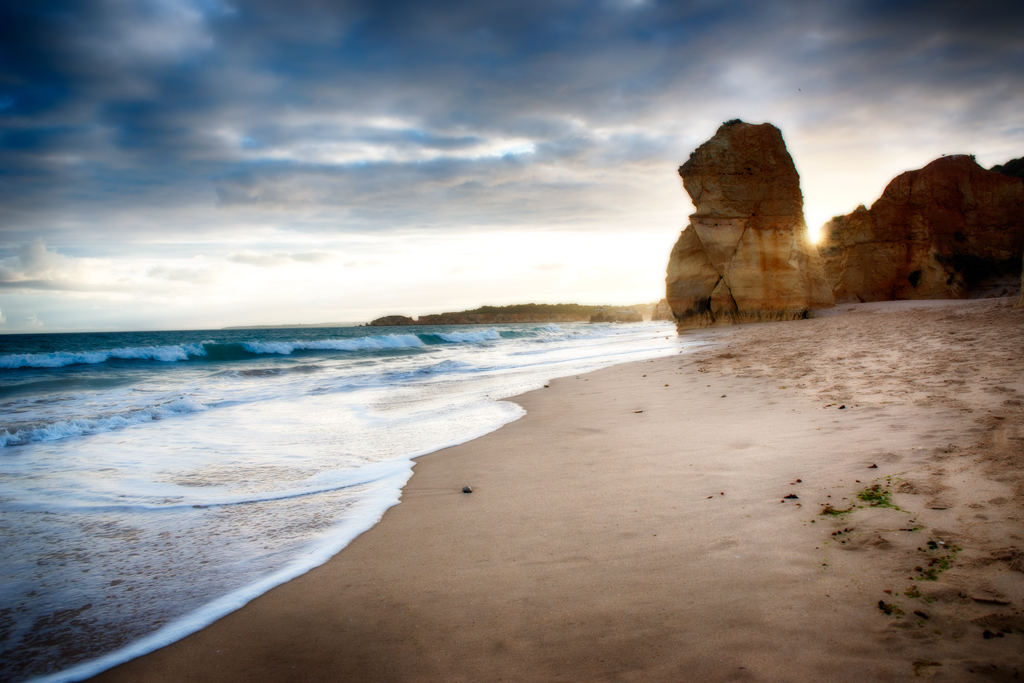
{"x":36,"y":266}
{"x":190,"y":275}
{"x":279,"y":258}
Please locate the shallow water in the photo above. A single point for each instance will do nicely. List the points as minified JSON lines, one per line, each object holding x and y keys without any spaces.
{"x":152,"y":482}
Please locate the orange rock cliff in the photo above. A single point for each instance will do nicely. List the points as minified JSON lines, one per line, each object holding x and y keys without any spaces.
{"x":945,"y":231}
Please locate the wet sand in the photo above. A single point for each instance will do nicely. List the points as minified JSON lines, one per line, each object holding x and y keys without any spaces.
{"x":635,"y":525}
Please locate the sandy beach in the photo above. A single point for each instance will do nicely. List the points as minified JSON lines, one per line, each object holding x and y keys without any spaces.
{"x":662,"y":521}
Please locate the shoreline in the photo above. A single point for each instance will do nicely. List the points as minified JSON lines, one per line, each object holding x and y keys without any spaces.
{"x":603,"y":543}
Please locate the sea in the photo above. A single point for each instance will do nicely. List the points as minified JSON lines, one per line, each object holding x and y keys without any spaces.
{"x":152,"y":482}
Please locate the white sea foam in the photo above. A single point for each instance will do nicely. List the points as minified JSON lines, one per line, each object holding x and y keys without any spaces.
{"x":358,"y":521}
{"x":59,"y":359}
{"x":82,"y":426}
{"x":390,"y":341}
{"x":184,"y":497}
{"x":474,"y":336}
{"x":395,"y":473}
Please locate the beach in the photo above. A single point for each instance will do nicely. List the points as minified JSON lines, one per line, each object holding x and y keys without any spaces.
{"x":662,"y":521}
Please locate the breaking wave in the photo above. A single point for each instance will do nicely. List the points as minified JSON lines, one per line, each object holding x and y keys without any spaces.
{"x":59,"y":359}
{"x":390,"y":341}
{"x":474,"y":336}
{"x":215,"y":351}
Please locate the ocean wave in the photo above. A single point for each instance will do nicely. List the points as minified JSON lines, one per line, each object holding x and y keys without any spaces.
{"x":83,"y":426}
{"x":59,"y":359}
{"x":206,"y":350}
{"x":389,"y":341}
{"x":214,"y":351}
{"x":474,"y":336}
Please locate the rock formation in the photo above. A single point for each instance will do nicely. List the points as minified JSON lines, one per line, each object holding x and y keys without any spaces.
{"x":745,"y":256}
{"x":662,"y":311}
{"x":515,"y":313}
{"x":500,"y":318}
{"x":392,"y":321}
{"x":480,"y":319}
{"x":620,"y":316}
{"x":940,"y":232}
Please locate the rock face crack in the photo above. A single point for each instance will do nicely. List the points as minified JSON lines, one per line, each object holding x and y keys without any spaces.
{"x":745,"y":256}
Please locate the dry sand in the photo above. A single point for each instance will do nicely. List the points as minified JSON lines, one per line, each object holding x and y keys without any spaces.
{"x":632,"y":526}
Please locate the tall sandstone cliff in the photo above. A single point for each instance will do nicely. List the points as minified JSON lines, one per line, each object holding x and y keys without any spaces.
{"x":940,"y":232}
{"x":745,"y":256}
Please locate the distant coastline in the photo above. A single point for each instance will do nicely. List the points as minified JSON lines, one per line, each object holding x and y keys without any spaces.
{"x":525,"y":313}
{"x":291,"y":326}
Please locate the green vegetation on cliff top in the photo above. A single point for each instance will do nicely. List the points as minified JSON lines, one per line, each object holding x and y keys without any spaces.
{"x":1013,"y":167}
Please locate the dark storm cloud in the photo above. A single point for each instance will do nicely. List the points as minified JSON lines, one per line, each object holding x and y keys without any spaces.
{"x":465,"y":110}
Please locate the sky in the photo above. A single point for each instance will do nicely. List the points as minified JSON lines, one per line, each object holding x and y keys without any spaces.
{"x":185,"y":164}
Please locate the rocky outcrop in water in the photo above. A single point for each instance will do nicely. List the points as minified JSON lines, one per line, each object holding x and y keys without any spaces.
{"x":392,"y":321}
{"x":946,"y":231}
{"x":620,"y":316}
{"x":745,"y":256}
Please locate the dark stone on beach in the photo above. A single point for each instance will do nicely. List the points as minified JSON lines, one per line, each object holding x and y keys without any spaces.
{"x":793,"y":495}
{"x":987,"y":634}
{"x":842,"y":407}
{"x":466,"y":489}
{"x":920,"y":614}
{"x":873,"y":467}
{"x":723,"y":395}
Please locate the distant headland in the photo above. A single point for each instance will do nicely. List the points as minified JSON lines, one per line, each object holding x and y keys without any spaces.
{"x":533,"y":313}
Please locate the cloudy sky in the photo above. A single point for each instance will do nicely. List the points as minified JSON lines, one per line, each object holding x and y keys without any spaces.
{"x":203,"y":163}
